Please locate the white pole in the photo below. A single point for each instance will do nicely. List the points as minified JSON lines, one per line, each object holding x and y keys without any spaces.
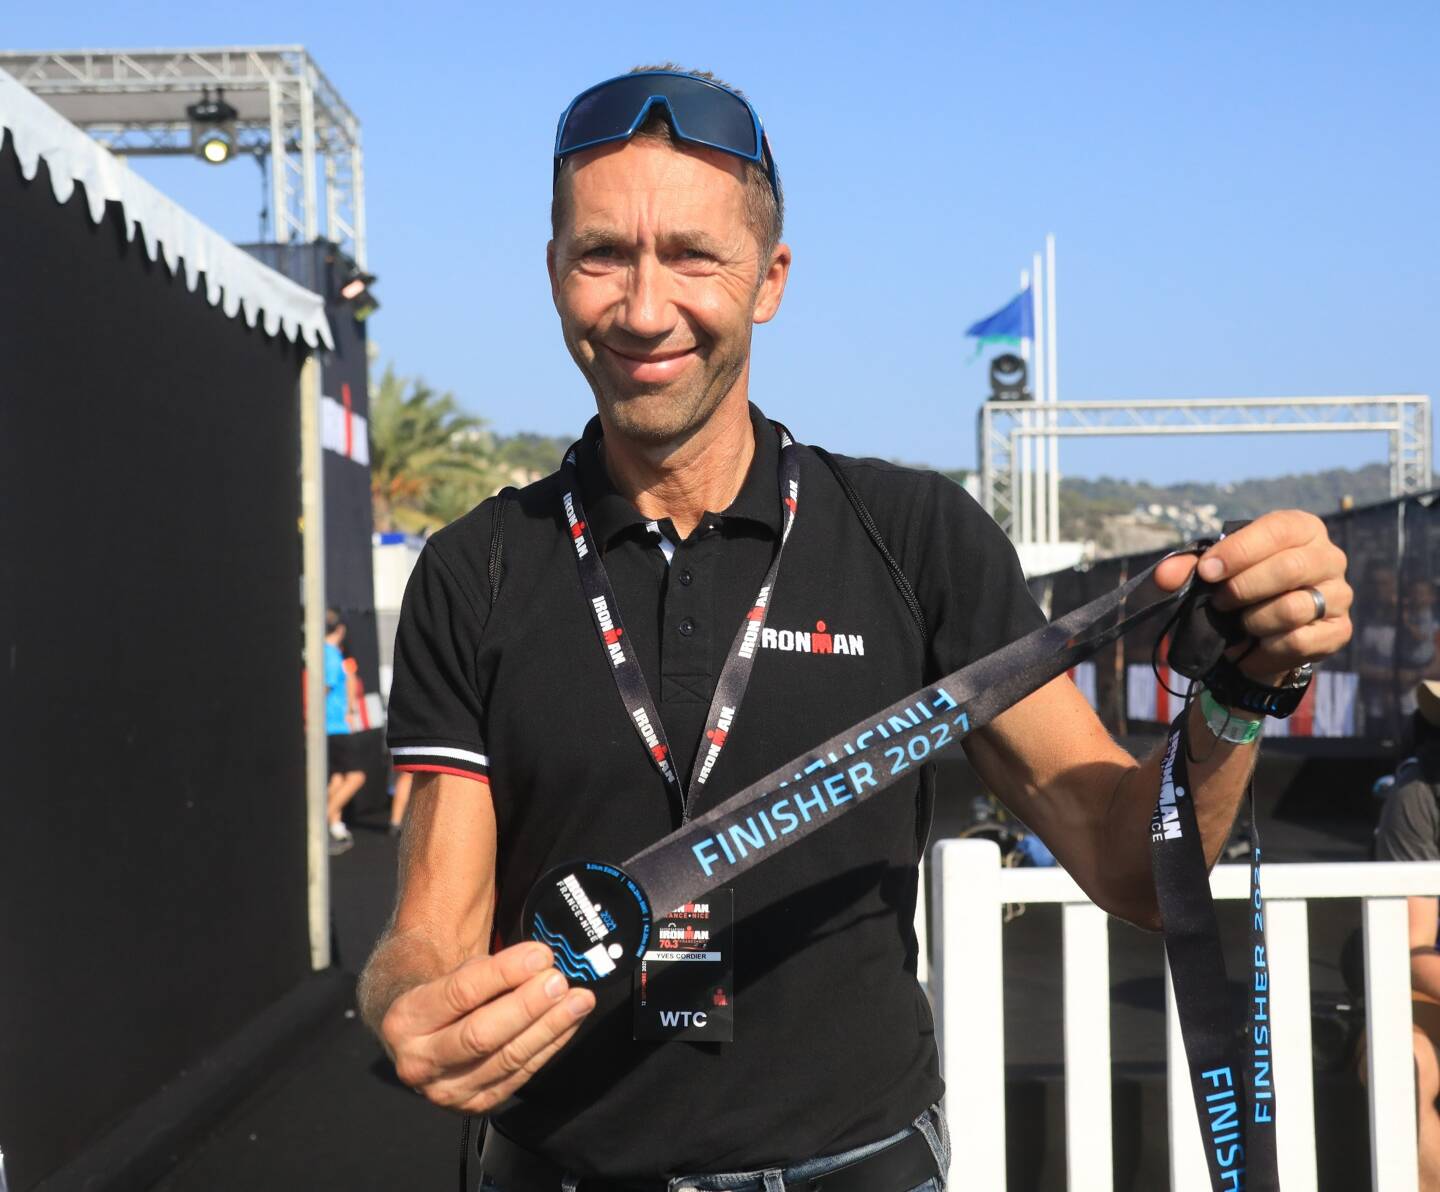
{"x":1024,"y":339}
{"x":1188,"y":1172}
{"x":1037,"y":299}
{"x":1289,"y":956}
{"x":1052,"y":374}
{"x":312,"y":520}
{"x":1024,"y":513}
{"x":1394,"y":1151}
{"x":1089,"y":1157}
{"x":968,"y":990}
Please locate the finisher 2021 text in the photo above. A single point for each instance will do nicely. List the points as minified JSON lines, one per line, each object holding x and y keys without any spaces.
{"x":881,"y":751}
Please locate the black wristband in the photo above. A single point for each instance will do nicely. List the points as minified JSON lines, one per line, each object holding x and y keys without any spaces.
{"x":1229,"y":685}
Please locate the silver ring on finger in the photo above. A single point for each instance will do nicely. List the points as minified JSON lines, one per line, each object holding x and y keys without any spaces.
{"x":1319,"y":598}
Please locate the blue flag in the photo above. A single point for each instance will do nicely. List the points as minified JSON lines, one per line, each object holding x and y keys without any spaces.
{"x":1009,"y":325}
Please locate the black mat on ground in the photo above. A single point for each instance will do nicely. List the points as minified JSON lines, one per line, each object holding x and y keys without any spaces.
{"x":334,"y":1115}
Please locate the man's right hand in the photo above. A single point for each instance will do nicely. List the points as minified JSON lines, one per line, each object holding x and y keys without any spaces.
{"x":469,"y":1039}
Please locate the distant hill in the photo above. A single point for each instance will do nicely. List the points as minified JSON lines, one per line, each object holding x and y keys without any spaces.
{"x":1083,"y":503}
{"x":1103,"y":510}
{"x":1319,"y":492}
{"x":529,"y":454}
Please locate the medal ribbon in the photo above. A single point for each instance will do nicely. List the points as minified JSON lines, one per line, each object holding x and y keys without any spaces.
{"x":1237,"y":1120}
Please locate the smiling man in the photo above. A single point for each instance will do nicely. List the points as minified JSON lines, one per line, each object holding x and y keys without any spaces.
{"x":585,"y":666}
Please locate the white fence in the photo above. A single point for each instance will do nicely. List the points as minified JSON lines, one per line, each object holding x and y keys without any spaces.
{"x":967,"y":980}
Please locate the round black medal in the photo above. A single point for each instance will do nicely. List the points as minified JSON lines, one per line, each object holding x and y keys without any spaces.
{"x":594,"y":918}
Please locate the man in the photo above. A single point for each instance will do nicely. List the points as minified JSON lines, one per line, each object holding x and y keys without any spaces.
{"x":666,"y":251}
{"x":347,"y":775}
{"x":1409,"y":830}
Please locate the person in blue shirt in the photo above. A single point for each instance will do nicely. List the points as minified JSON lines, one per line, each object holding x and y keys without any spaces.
{"x":347,"y":775}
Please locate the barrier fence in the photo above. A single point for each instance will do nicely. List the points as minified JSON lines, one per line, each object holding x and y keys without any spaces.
{"x":966,"y":979}
{"x":1365,"y":691}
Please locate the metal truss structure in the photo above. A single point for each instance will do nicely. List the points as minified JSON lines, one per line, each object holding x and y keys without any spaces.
{"x":1004,"y":425}
{"x":133,"y":102}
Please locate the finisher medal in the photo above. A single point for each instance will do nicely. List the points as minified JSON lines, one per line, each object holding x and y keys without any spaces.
{"x":593,"y":917}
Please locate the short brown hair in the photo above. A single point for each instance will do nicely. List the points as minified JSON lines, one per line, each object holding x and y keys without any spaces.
{"x":764,"y":207}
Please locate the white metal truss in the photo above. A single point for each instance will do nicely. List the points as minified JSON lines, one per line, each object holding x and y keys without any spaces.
{"x":1005,"y":424}
{"x":133,"y":102}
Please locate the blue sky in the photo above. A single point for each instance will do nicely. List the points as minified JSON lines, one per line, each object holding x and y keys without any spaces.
{"x":1243,"y":196}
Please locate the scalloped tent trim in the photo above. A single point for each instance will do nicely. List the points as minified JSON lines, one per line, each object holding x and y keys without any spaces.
{"x":234,"y":281}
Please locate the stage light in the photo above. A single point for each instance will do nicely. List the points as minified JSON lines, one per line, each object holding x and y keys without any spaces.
{"x":355,"y":289}
{"x":1008,"y":377}
{"x":215,"y":148}
{"x":212,"y":127}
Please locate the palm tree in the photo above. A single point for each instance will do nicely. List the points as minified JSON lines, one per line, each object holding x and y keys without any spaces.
{"x":429,"y":462}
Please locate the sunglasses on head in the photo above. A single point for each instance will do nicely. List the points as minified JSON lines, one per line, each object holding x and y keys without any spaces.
{"x":700,"y":112}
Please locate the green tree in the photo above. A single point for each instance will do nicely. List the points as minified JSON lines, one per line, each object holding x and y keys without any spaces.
{"x":429,"y":461}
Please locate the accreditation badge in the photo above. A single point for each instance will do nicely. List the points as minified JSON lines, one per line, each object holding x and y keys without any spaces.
{"x":684,"y":986}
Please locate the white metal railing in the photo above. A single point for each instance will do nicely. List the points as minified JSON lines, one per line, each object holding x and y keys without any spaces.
{"x":967,"y":986}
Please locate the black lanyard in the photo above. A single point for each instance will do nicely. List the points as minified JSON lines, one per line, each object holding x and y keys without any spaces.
{"x":1237,"y":1120}
{"x":634,"y":691}
{"x":596,"y":916}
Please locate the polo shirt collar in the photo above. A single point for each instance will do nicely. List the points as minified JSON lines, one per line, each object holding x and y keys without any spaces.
{"x":611,"y":515}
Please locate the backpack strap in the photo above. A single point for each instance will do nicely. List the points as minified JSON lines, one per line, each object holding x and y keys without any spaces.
{"x":497,"y":540}
{"x":902,"y":582}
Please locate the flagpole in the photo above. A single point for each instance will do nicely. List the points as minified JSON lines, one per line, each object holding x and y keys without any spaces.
{"x":1052,"y":374}
{"x":1039,"y":490}
{"x":1024,"y":515}
{"x":1024,"y":339}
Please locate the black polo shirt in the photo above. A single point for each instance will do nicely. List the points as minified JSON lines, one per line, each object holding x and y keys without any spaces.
{"x":834,"y":1044}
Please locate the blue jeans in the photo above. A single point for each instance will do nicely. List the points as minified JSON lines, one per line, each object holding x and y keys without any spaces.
{"x":931,"y":1124}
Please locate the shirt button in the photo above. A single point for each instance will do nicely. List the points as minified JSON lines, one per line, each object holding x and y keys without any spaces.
{"x":687,"y":627}
{"x":686,"y":577}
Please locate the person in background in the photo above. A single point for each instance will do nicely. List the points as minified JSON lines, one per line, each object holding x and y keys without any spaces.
{"x":347,"y":776}
{"x":1409,"y":830}
{"x":1415,"y":641}
{"x":1374,"y":650}
{"x":399,"y":799}
{"x":355,"y":692}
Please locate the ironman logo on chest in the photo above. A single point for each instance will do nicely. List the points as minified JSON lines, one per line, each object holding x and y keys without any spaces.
{"x":820,"y":640}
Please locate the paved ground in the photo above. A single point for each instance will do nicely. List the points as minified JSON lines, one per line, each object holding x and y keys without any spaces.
{"x":336,"y":1118}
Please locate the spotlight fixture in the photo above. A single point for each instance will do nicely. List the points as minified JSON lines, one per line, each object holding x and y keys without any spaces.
{"x":355,"y":289}
{"x":1008,"y":376}
{"x":212,"y":127}
{"x":356,"y":286}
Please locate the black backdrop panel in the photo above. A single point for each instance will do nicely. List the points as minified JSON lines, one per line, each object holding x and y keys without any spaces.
{"x":152,"y":859}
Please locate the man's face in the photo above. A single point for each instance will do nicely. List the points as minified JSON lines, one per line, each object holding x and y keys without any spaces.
{"x":657,"y":278}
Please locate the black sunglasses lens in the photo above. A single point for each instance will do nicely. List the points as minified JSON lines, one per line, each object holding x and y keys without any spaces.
{"x":604,"y":113}
{"x":714,"y":116}
{"x":702,"y":112}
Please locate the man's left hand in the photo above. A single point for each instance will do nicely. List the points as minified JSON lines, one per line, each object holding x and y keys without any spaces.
{"x":1268,"y":570}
